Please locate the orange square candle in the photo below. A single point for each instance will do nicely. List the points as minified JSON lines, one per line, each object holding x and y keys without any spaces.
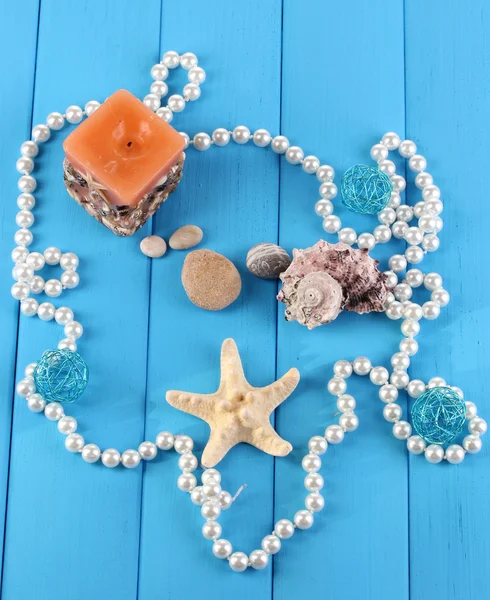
{"x":123,"y":162}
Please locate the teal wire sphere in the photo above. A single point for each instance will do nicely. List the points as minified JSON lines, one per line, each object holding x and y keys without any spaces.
{"x":61,"y":375}
{"x":438,"y":415}
{"x":365,"y":190}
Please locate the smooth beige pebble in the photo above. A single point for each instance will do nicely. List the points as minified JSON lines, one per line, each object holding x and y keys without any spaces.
{"x":153,"y":246}
{"x":185,"y":237}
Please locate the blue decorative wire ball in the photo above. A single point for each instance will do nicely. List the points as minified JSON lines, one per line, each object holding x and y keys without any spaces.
{"x":61,"y":375}
{"x":438,"y":415}
{"x":365,"y":190}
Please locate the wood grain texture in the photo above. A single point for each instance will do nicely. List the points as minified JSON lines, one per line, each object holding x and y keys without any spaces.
{"x":333,"y":77}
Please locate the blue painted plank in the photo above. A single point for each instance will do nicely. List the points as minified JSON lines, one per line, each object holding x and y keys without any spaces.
{"x":448,"y":75}
{"x":18,"y":21}
{"x":232,"y":193}
{"x":77,"y":525}
{"x":335,"y":107}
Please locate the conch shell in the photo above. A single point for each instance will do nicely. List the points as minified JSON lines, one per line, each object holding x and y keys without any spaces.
{"x":323,"y":280}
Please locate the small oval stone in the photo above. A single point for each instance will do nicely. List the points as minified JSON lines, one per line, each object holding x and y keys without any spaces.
{"x":153,"y":246}
{"x":210,"y":280}
{"x":185,"y":237}
{"x":267,"y":261}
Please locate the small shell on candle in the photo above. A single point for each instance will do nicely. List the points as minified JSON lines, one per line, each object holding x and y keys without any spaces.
{"x":267,"y":261}
{"x":153,"y":246}
{"x":185,"y":237}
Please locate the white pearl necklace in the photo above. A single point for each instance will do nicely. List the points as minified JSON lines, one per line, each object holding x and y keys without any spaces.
{"x":422,"y":239}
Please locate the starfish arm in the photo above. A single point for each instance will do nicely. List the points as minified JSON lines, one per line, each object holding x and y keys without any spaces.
{"x":220,"y":441}
{"x":272,"y":395}
{"x":231,"y":365}
{"x":199,"y":405}
{"x":265,"y":438}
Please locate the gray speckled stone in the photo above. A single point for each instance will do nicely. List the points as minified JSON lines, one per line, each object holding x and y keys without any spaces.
{"x":267,"y":261}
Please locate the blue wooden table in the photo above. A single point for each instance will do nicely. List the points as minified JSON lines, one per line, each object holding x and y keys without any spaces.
{"x":333,"y":77}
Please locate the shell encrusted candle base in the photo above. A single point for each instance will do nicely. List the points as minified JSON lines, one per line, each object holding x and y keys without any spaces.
{"x":121,"y":220}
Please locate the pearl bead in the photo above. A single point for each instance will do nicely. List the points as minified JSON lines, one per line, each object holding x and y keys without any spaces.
{"x":324,"y":208}
{"x":407,"y":148}
{"x":53,"y":288}
{"x":414,"y":278}
{"x":69,"y":261}
{"x":311,"y":463}
{"x":347,"y":235}
{"x":24,"y":219}
{"x":395,"y":200}
{"x":387,"y":216}
{"x":29,"y":307}
{"x":361,"y":365}
{"x":55,"y":121}
{"x":431,"y":242}
{"x":391,"y":279}
{"x":165,"y":113}
{"x":387,"y":166}
{"x":392,"y":412}
{"x":27,"y":183}
{"x":259,"y":559}
{"x":349,"y":422}
{"x":379,"y":152}
{"x":325,"y":173}
{"x":29,"y":149}
{"x":434,"y":453}
{"x":262,"y":138}
{"x":222,"y":548}
{"x":238,"y":562}
{"x":342,"y":368}
{"x":415,"y":388}
{"x":23,"y":237}
{"x":394,"y":310}
{"x":416,"y":444}
{"x":303,"y":519}
{"x":388,"y":393}
{"x":402,"y":430}
{"x":24,"y":165}
{"x":152,"y":101}
{"x":432,"y":281}
{"x":391,"y":140}
{"x":472,"y":444}
{"x":331,"y":224}
{"x":46,"y":311}
{"x":314,"y":481}
{"x":197,"y":497}
{"x":280,"y":144}
{"x":440,"y":297}
{"x":67,"y":425}
{"x":423,"y":179}
{"x":147,"y":450}
{"x":317,"y":445}
{"x":336,"y":386}
{"x":315,"y":502}
{"x":225,"y":500}
{"x":334,"y":434}
{"x":397,"y":263}
{"x":202,"y":141}
{"x":20,"y":290}
{"x":40,"y":133}
{"x":379,"y":375}
{"x":399,"y":229}
{"x":187,"y":482}
{"x":111,"y":458}
{"x":455,"y":454}
{"x":477,"y":425}
{"x":221,"y":136}
{"x":196,"y":75}
{"x":73,"y":329}
{"x":209,"y":510}
{"x":366,"y":240}
{"x":211,"y":530}
{"x":176,"y":103}
{"x":417,"y":163}
{"x":182,"y":443}
{"x":427,"y":222}
{"x":36,"y":403}
{"x":471,"y":410}
{"x":458,"y":391}
{"x":382,"y":234}
{"x":284,"y":529}
{"x":187,"y":463}
{"x":431,"y":310}
{"x":431,"y":191}
{"x":74,"y":442}
{"x":410,"y":328}
{"x":19,"y":254}
{"x":398,"y":182}
{"x":414,"y":255}
{"x":159,"y":72}
{"x":171,"y":59}
{"x":74,"y":114}
{"x":413,"y":236}
{"x":294,"y":155}
{"x":402,"y":292}
{"x":37,"y":284}
{"x":91,"y":453}
{"x":211,"y":475}
{"x":63,"y":315}
{"x":53,"y":411}
{"x":29,"y":370}
{"x":328,"y":190}
{"x":160,"y":88}
{"x":399,"y":379}
{"x":188,"y":60}
{"x":70,"y":279}
{"x":67,"y":344}
{"x":241,"y":134}
{"x":52,"y":255}
{"x":25,"y":387}
{"x":271,"y":544}
{"x":91,"y":107}
{"x":311,"y":164}
{"x":399,"y":360}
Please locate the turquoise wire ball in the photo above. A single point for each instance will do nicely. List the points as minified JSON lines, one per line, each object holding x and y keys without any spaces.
{"x":61,"y":375}
{"x":438,"y":415}
{"x":365,"y":190}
